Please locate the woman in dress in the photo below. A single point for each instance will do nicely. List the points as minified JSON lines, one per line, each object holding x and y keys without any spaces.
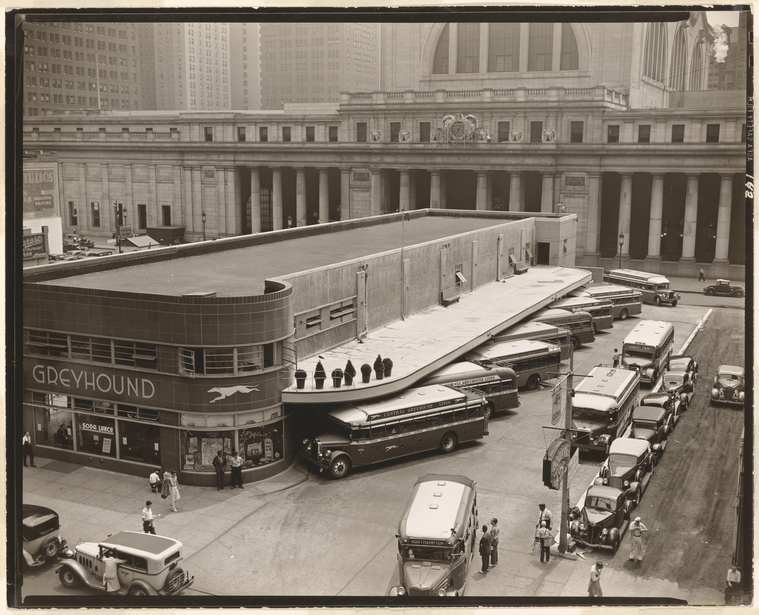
{"x":174,"y":490}
{"x":111,"y":571}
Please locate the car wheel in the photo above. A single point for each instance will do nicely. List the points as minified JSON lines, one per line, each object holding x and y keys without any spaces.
{"x":137,"y":590}
{"x":657,"y":300}
{"x":674,"y":304}
{"x":177,"y":573}
{"x":533,"y":382}
{"x":68,"y":577}
{"x":50,"y":549}
{"x":340,"y":467}
{"x":623,"y":314}
{"x":614,"y":544}
{"x":739,"y":293}
{"x":710,"y":292}
{"x":574,"y":342}
{"x":448,"y":443}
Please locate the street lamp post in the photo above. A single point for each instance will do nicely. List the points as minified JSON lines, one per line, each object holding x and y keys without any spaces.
{"x":621,"y":243}
{"x":203,"y":219}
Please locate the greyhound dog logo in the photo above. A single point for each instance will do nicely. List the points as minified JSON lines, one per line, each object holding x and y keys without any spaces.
{"x":225,"y":392}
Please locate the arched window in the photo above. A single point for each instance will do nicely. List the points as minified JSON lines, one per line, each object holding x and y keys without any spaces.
{"x":677,"y":67}
{"x":697,"y":67}
{"x":468,"y":57}
{"x":655,"y":52}
{"x":570,"y":58}
{"x":540,"y":48}
{"x":440,"y":63}
{"x":503,"y":48}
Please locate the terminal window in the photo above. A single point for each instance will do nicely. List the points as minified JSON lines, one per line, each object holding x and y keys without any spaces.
{"x":644,"y":133}
{"x":678,"y":133}
{"x":712,"y":133}
{"x":612,"y":135}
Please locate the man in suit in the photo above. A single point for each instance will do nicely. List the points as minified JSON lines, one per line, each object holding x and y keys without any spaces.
{"x":486,"y":546}
{"x":220,"y":464}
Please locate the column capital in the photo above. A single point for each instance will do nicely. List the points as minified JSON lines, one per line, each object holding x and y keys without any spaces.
{"x":724,"y":176}
{"x":690,"y":176}
{"x":594,"y":173}
{"x":657,"y":174}
{"x":626,"y":175}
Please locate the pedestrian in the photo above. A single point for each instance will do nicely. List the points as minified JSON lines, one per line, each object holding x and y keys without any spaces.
{"x":147,"y":518}
{"x":732,"y":584}
{"x":236,"y":464}
{"x":546,"y":539}
{"x":166,"y":485}
{"x":174,"y":490}
{"x":701,"y":277}
{"x":636,"y":539}
{"x":545,"y":515}
{"x":594,"y":586}
{"x":26,"y":446}
{"x":486,"y":546}
{"x":616,"y":358}
{"x":494,"y":531}
{"x":155,"y":481}
{"x":220,"y":464}
{"x":111,"y":571}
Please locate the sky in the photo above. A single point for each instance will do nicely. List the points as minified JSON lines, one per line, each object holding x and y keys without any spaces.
{"x":728,"y":18}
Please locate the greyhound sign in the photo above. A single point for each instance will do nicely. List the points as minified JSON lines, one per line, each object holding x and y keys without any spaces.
{"x":224,"y":392}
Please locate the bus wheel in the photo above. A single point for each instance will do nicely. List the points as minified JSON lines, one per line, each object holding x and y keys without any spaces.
{"x":448,"y":443}
{"x":657,"y":300}
{"x":340,"y":467}
{"x":574,"y":342}
{"x":533,"y":382}
{"x":489,"y":410}
{"x":623,"y":314}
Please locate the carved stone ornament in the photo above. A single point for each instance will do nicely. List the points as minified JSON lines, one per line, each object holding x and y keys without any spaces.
{"x":209,"y":173}
{"x":459,"y":129}
{"x":375,"y":136}
{"x":515,"y":136}
{"x":404,"y":136}
{"x":549,"y":135}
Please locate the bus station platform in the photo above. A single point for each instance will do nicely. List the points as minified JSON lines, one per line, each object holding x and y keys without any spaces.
{"x":424,"y":342}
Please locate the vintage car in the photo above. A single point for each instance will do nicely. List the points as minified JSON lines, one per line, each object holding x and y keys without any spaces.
{"x":683,"y":363}
{"x":723,"y":287}
{"x":151,"y":567}
{"x":669,"y":402}
{"x":729,"y":383}
{"x":603,"y":519}
{"x":628,"y":467}
{"x":679,"y":384}
{"x":652,"y":424}
{"x":39,"y":532}
{"x":98,"y":252}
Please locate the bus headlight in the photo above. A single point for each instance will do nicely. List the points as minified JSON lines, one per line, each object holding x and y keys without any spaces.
{"x":441,"y":592}
{"x":626,"y":483}
{"x":401,"y":591}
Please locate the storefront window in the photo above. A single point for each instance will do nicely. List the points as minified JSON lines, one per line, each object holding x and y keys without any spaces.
{"x":200,"y":447}
{"x":96,"y":435}
{"x":139,"y":442}
{"x":261,"y":445}
{"x":53,"y":424}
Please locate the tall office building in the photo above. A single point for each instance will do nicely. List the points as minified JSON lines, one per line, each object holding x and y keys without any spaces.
{"x":245,"y":69}
{"x":730,"y":74}
{"x":314,"y":62}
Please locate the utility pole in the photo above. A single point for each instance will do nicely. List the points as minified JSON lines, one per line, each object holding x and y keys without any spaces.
{"x":565,"y":503}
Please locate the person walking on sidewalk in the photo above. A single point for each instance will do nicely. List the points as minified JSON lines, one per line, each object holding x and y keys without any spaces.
{"x":236,"y":463}
{"x":486,"y":546}
{"x":26,"y":446}
{"x":701,"y":277}
{"x":594,"y":586}
{"x":636,"y":540}
{"x":147,"y":519}
{"x":174,"y":490}
{"x":546,"y":539}
{"x":494,"y":531}
{"x":220,"y":464}
{"x":545,"y":515}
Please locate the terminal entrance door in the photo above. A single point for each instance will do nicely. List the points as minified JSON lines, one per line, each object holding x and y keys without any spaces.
{"x":544,"y":253}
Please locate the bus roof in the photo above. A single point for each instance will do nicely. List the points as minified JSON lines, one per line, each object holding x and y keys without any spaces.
{"x":581,"y":302}
{"x":465,"y":373}
{"x":606,"y":290}
{"x":649,"y":333}
{"x":655,"y":278}
{"x":511,"y":350}
{"x":603,"y":383}
{"x":437,"y":509}
{"x":549,"y":314}
{"x":528,"y":329}
{"x":411,"y":401}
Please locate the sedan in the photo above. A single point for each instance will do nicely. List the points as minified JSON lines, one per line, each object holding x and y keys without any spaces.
{"x":683,"y":363}
{"x":668,"y":402}
{"x":728,"y":386}
{"x":652,"y":424}
{"x":679,"y":384}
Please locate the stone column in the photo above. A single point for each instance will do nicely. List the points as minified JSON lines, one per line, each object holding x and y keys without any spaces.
{"x":723,"y":218}
{"x":412,"y":190}
{"x":625,"y":211}
{"x":689,"y":222}
{"x":345,"y":191}
{"x":276,"y":199}
{"x":404,"y":197}
{"x":197,"y":199}
{"x":546,"y":201}
{"x":187,"y":220}
{"x":556,"y":52}
{"x":154,"y":213}
{"x":524,"y":39}
{"x":323,"y":196}
{"x":654,"y":227}
{"x":453,"y":47}
{"x":434,"y":189}
{"x":132,"y":217}
{"x":515,"y":191}
{"x":300,"y":198}
{"x":221,"y":203}
{"x":176,"y":203}
{"x":593,"y":218}
{"x":83,"y":206}
{"x":233,"y":212}
{"x":255,"y":200}
{"x":376,"y":206}
{"x":105,"y":204}
{"x":482,"y":191}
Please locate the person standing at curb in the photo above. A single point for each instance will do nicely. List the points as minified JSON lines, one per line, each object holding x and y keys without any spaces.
{"x":26,"y":446}
{"x":636,"y":540}
{"x":545,"y":515}
{"x":155,"y":481}
{"x":174,"y":490}
{"x":220,"y":464}
{"x":236,"y":464}
{"x":494,"y":531}
{"x":594,"y":586}
{"x":147,"y":519}
{"x":546,"y":538}
{"x":486,"y":547}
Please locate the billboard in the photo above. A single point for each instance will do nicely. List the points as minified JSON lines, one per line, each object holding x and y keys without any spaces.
{"x":39,"y":192}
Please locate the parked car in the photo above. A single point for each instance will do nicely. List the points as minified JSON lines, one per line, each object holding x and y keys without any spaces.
{"x":669,"y":402}
{"x":603,"y":519}
{"x":99,"y":252}
{"x":74,"y":255}
{"x":151,"y":568}
{"x":679,"y":384}
{"x":683,"y":363}
{"x":55,"y":257}
{"x":76,"y":240}
{"x":729,"y":383}
{"x":652,"y":424}
{"x":628,"y":467}
{"x":40,"y":534}
{"x":723,"y":287}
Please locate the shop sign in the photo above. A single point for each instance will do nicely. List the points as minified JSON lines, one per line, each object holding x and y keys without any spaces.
{"x":34,"y":245}
{"x":106,"y":429}
{"x":39,"y":187}
{"x":94,"y":381}
{"x":555,"y":463}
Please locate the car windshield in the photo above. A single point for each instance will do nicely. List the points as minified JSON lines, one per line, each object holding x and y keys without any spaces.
{"x":600,"y":503}
{"x":619,"y":464}
{"x":428,"y":553}
{"x":597,"y":416}
{"x":679,"y":364}
{"x":672,"y":381}
{"x":644,"y":424}
{"x":730,"y":377}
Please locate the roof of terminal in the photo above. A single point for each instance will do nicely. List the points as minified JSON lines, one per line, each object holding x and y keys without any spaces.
{"x":242,"y":271}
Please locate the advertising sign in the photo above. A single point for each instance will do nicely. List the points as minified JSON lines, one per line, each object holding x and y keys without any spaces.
{"x":555,"y":463}
{"x":34,"y":245}
{"x":39,"y":188}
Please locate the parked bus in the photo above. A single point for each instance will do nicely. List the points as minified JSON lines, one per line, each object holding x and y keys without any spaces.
{"x":625,"y":301}
{"x":498,"y":384}
{"x":417,"y":420}
{"x":532,"y":361}
{"x":654,"y":287}
{"x":648,"y":348}
{"x":437,"y":537}
{"x":601,"y":310}
{"x":602,"y":406}
{"x":580,"y":324}
{"x":540,"y":332}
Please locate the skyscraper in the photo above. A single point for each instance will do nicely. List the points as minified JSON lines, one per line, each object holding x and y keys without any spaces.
{"x":245,"y":69}
{"x":727,"y":70}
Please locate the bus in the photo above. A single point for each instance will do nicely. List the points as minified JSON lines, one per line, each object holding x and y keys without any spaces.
{"x":648,"y":348}
{"x":437,"y":537}
{"x":602,"y":406}
{"x":654,"y":287}
{"x":601,"y":310}
{"x":625,"y":301}
{"x":532,"y":361}
{"x":541,"y":332}
{"x":580,"y":324}
{"x":417,"y":420}
{"x":496,"y":383}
